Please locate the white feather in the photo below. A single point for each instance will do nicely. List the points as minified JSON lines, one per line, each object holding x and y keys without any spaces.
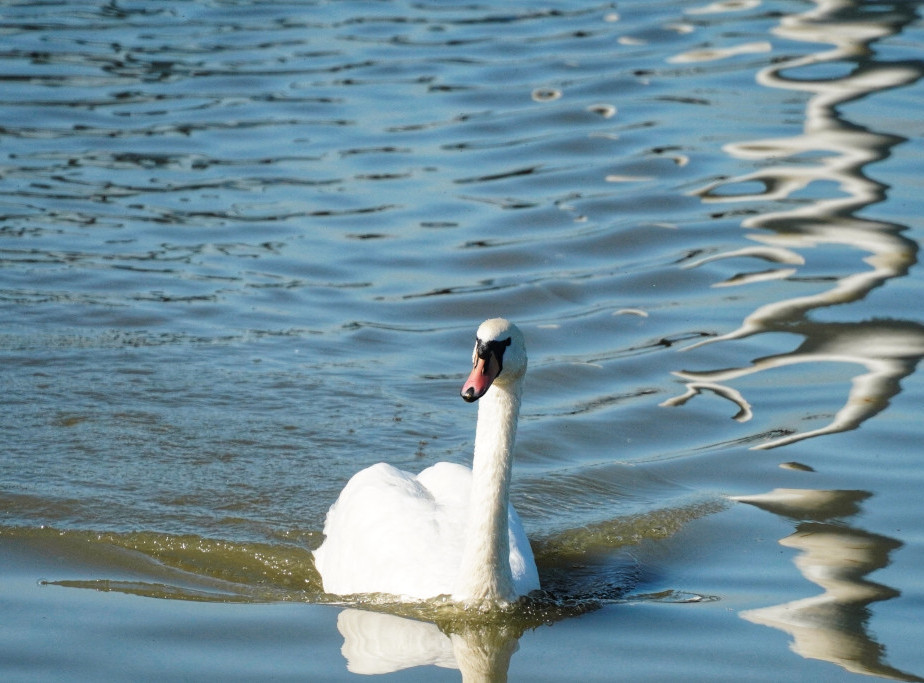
{"x":433,"y":534}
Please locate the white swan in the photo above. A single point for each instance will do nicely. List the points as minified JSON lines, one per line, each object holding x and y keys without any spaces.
{"x":449,"y":530}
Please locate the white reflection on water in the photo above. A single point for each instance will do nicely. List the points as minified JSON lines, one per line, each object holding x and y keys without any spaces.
{"x":375,"y":643}
{"x":831,"y":150}
{"x":889,"y":351}
{"x":831,"y":626}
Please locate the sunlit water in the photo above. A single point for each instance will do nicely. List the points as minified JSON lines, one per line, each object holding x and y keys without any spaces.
{"x":244,"y":247}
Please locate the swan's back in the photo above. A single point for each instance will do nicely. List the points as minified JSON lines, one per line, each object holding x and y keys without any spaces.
{"x":393,"y":532}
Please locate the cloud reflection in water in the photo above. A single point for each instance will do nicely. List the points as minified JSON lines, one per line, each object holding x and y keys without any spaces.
{"x":831,"y":626}
{"x":830,"y":151}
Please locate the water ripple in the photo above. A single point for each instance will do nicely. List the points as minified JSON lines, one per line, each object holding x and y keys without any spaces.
{"x":244,"y":247}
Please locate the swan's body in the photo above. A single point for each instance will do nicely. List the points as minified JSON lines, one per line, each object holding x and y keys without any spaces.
{"x":449,"y":530}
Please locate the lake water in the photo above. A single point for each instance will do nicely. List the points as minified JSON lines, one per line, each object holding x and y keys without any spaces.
{"x":244,"y":248}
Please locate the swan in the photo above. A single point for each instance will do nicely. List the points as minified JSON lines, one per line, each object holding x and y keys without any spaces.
{"x":449,"y":530}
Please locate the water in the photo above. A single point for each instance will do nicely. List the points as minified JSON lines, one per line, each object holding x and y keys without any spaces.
{"x":244,"y":248}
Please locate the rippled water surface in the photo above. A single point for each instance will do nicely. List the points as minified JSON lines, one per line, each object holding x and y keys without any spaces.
{"x":244,"y":247}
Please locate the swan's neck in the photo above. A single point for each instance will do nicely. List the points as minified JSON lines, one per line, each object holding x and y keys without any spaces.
{"x":484,"y":575}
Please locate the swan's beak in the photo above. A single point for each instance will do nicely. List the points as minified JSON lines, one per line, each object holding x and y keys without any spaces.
{"x":484,"y":372}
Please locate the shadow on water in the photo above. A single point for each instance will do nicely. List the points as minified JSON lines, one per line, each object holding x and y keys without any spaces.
{"x":832,"y":151}
{"x":837,"y":556}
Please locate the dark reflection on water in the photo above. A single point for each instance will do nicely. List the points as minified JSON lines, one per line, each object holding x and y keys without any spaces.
{"x":838,"y":556}
{"x":832,"y":152}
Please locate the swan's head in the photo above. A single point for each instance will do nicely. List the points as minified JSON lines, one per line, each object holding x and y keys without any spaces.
{"x":499,"y":358}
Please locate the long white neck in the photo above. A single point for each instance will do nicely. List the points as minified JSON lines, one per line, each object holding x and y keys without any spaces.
{"x":484,"y":577}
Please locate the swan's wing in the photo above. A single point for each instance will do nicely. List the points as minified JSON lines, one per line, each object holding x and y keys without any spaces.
{"x":387,"y":534}
{"x":392,"y":532}
{"x":522,"y":561}
{"x":451,"y":486}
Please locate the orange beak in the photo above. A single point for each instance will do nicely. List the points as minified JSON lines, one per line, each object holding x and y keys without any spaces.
{"x":484,"y":372}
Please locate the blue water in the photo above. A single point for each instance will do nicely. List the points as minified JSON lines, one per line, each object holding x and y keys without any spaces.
{"x":244,"y":248}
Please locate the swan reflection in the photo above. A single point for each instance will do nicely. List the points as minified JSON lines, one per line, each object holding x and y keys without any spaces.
{"x":831,"y":626}
{"x":831,"y":150}
{"x":378,"y":643}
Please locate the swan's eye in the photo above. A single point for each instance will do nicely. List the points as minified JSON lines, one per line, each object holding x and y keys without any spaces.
{"x":485,"y":350}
